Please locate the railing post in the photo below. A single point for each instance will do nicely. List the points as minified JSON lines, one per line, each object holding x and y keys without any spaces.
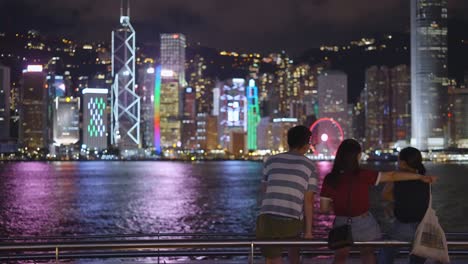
{"x":56,"y":254}
{"x":252,"y":252}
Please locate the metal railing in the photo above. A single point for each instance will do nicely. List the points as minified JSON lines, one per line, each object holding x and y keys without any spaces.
{"x":122,"y":247}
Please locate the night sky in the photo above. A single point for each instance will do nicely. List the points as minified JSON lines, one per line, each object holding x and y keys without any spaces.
{"x":243,"y":25}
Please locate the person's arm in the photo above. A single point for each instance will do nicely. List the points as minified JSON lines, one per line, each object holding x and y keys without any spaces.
{"x":388,"y":199}
{"x":387,"y":192}
{"x":392,"y":176}
{"x":326,"y":205}
{"x":309,"y":213}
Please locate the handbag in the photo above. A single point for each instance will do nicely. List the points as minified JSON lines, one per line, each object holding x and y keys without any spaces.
{"x":429,"y":240}
{"x":341,"y":236}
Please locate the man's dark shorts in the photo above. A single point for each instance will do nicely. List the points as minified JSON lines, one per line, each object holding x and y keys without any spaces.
{"x":276,"y":227}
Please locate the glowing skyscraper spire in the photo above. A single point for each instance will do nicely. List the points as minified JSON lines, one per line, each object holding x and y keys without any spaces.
{"x":125,"y":122}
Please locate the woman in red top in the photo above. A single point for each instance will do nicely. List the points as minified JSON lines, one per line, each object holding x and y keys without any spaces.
{"x":345,"y":190}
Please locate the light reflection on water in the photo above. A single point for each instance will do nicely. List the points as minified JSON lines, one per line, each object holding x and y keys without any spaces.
{"x":97,"y":198}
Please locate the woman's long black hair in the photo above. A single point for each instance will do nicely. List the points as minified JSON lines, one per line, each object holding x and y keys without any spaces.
{"x":413,"y":158}
{"x":346,"y":160}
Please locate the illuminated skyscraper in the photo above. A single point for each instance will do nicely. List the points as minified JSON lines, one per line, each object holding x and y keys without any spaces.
{"x":264,"y":134}
{"x":429,"y":73}
{"x":95,"y":116}
{"x":377,"y":107}
{"x":279,"y":133}
{"x":33,"y":109}
{"x":458,"y":116}
{"x":146,"y":88}
{"x":401,"y":105}
{"x":125,"y":121}
{"x":232,"y":110}
{"x":333,"y":96}
{"x":4,"y":103}
{"x":189,"y":119}
{"x":66,"y":121}
{"x":170,"y":123}
{"x":202,"y":84}
{"x":173,"y":56}
{"x":253,"y":115}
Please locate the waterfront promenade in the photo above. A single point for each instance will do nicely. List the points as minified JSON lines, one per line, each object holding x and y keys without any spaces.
{"x":353,"y":260}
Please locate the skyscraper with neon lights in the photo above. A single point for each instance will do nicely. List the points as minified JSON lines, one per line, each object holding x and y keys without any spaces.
{"x":429,"y":82}
{"x":253,"y":115}
{"x":95,"y":124}
{"x":232,"y":110}
{"x":66,"y":121}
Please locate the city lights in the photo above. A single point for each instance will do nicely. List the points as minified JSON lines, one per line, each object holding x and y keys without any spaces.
{"x":386,"y":90}
{"x":34,"y":68}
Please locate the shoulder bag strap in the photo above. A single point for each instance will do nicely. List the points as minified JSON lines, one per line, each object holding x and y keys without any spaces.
{"x":349,"y":201}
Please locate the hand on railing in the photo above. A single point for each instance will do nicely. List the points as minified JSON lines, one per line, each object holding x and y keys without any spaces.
{"x":308,"y":235}
{"x":429,"y":179}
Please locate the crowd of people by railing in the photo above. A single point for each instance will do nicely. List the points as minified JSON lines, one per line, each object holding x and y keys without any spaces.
{"x":290,"y":183}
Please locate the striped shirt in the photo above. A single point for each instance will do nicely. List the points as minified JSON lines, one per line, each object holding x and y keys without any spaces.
{"x":288,"y":176}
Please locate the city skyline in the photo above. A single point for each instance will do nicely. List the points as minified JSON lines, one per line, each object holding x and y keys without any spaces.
{"x":303,"y":24}
{"x":180,"y":100}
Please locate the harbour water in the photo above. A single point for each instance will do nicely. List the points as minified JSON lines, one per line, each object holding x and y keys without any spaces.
{"x":101,"y":198}
{"x":68,"y":199}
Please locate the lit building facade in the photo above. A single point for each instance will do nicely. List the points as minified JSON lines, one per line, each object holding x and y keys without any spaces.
{"x":333,"y":96}
{"x":173,"y":56}
{"x":458,"y":117}
{"x":401,"y":105}
{"x":33,"y":132}
{"x":283,"y":94}
{"x":253,"y":115}
{"x":377,"y":107}
{"x":66,"y":121}
{"x":264,"y":134}
{"x":4,"y":103}
{"x":95,"y":118}
{"x":170,"y":123}
{"x":146,"y":91}
{"x":201,"y":84}
{"x":429,"y":99}
{"x":279,"y":133}
{"x":232,"y":110}
{"x":189,"y":119}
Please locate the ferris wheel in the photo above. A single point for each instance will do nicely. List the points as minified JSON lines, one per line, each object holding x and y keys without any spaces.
{"x":327,"y":135}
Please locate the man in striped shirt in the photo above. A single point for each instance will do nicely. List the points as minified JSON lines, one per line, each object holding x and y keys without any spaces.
{"x":289,"y":184}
